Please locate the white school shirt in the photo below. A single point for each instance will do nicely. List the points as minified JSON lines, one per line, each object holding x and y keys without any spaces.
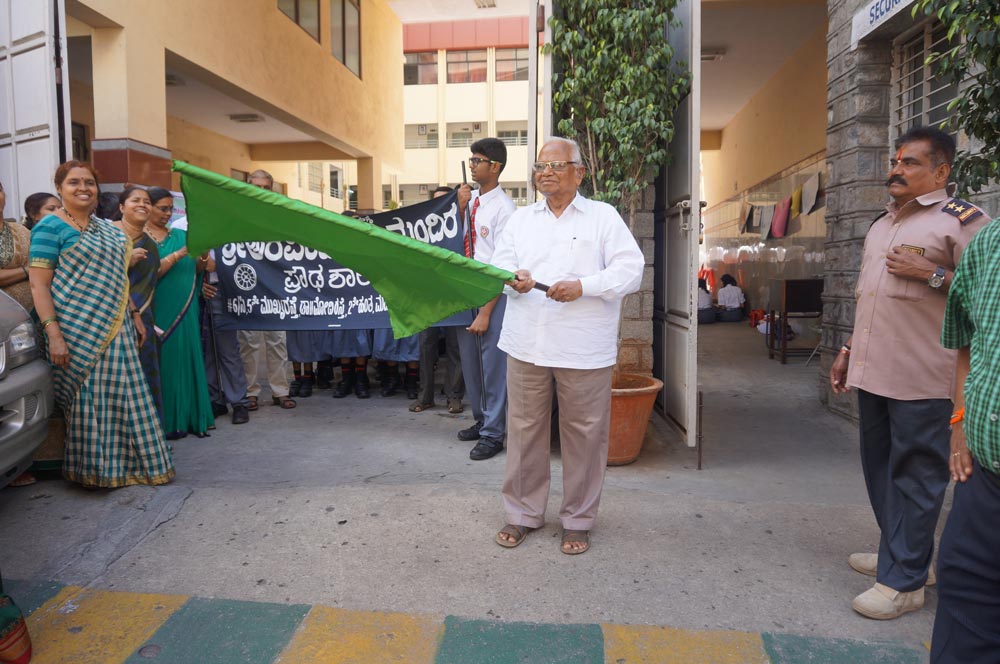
{"x":731,"y":297}
{"x":495,"y":207}
{"x":704,"y":299}
{"x":589,"y":242}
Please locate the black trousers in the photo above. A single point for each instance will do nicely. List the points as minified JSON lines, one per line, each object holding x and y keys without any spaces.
{"x":967,"y":623}
{"x":904,"y":455}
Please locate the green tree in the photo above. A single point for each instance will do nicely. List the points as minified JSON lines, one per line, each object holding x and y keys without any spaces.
{"x":615,"y":91}
{"x":971,"y":52}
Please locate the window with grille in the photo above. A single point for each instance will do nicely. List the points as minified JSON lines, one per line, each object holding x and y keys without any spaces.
{"x":919,"y":97}
{"x":467,"y":66}
{"x":420,"y":68}
{"x":335,"y":182}
{"x":513,"y":136}
{"x":315,"y":177}
{"x":512,"y":64}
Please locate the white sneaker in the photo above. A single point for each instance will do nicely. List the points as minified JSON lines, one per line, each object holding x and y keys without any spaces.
{"x":867,"y":564}
{"x":883,"y":603}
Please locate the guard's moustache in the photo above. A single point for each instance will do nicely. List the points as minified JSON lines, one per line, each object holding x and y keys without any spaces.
{"x":895,"y":179}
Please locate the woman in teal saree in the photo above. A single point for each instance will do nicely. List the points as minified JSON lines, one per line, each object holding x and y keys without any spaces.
{"x":79,"y":282}
{"x":186,"y":405}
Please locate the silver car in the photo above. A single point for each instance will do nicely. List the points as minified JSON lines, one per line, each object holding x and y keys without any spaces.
{"x":26,"y":396}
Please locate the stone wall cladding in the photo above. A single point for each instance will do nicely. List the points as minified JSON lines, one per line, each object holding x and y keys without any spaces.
{"x":857,"y":148}
{"x":636,"y":352}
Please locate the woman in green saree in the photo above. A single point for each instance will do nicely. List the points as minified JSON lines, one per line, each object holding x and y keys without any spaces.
{"x":186,"y":405}
{"x":79,"y":282}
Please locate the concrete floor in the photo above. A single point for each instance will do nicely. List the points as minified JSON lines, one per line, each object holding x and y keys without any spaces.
{"x":364,"y":505}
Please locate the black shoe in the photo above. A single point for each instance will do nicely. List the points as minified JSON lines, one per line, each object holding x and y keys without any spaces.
{"x":219,"y":409}
{"x":294,"y":387}
{"x":412,"y":383}
{"x":390,"y":383}
{"x":306,"y":386}
{"x":486,"y":448}
{"x":176,"y":435}
{"x":346,"y":384}
{"x":240,"y":414}
{"x":362,"y":388}
{"x":472,"y":433}
{"x":324,"y":375}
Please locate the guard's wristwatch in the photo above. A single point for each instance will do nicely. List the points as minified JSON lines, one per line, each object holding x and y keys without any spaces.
{"x":936,"y":280}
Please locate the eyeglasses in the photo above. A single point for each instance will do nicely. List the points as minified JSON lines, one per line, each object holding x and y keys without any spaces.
{"x":165,"y":209}
{"x":557,"y":166}
{"x":475,"y":161}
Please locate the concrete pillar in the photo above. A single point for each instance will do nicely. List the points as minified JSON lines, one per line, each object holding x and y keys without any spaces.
{"x":130,"y":109}
{"x":369,"y":185}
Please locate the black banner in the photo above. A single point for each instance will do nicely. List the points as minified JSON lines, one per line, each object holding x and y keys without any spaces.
{"x":285,"y":286}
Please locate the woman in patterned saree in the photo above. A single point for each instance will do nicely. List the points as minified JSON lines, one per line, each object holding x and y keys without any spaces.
{"x":134,"y":210}
{"x":79,"y":280}
{"x":186,"y":405}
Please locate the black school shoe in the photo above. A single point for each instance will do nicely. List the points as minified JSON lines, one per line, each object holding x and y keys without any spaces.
{"x":472,"y":433}
{"x":486,"y":448}
{"x":240,"y":414}
{"x":219,"y":409}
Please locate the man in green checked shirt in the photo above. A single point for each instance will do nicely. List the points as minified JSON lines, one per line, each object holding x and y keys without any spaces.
{"x":967,"y":623}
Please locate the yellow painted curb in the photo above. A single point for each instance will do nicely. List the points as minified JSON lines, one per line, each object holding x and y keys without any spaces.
{"x":96,"y":627}
{"x":338,"y":636}
{"x":641,"y":644}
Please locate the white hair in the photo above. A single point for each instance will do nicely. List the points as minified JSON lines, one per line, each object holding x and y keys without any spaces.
{"x":574,"y":147}
{"x":260,"y":173}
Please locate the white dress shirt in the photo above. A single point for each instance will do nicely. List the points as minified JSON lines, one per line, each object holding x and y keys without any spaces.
{"x":704,"y":299}
{"x":495,"y":207}
{"x":731,"y":297}
{"x":589,"y":242}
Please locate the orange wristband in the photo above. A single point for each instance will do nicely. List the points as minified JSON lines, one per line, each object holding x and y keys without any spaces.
{"x":958,"y":415}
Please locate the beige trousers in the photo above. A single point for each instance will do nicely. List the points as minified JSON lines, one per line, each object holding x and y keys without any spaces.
{"x":276,"y":359}
{"x":584,"y":419}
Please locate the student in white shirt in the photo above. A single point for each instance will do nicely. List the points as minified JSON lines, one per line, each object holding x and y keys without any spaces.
{"x":731,"y":300}
{"x":484,"y":365}
{"x":565,"y":339}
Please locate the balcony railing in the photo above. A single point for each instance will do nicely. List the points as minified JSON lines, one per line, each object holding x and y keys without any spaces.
{"x":418,"y":143}
{"x":460,"y":142}
{"x":514,"y":140}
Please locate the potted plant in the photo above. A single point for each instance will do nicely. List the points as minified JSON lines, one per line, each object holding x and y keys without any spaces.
{"x":615,"y":91}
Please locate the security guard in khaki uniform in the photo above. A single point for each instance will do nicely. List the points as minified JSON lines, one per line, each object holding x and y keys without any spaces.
{"x":904,"y":377}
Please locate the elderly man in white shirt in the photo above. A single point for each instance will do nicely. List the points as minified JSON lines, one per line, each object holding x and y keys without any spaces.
{"x":567,"y":336}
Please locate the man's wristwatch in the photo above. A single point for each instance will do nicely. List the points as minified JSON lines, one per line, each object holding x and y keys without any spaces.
{"x":936,"y":280}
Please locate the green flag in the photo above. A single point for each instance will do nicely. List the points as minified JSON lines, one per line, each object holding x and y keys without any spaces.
{"x":421,"y":283}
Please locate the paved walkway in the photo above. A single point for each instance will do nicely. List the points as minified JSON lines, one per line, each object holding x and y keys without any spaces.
{"x":72,"y":625}
{"x":322,"y":533}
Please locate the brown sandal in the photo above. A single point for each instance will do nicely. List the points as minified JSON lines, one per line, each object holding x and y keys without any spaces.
{"x":515,"y":531}
{"x":455,"y":406}
{"x":285,"y":402}
{"x":252,"y":403}
{"x":418,"y":407}
{"x":572,"y":537}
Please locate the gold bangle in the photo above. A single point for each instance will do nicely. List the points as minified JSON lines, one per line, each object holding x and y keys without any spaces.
{"x":48,"y":321}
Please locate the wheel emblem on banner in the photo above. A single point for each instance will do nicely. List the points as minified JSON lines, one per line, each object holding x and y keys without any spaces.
{"x":245,"y":277}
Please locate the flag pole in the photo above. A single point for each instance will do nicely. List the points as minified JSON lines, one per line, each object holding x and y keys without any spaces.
{"x":470,"y":239}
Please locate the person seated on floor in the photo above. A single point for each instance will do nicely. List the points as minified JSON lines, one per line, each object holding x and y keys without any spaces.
{"x":706,"y":312}
{"x":731,"y":301}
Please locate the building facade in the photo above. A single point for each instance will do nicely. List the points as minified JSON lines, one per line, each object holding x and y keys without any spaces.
{"x":227,"y":85}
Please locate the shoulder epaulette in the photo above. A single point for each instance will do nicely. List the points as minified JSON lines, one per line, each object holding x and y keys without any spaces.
{"x":962,"y":210}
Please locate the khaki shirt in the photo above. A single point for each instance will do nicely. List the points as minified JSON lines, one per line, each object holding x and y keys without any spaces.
{"x":896,"y":350}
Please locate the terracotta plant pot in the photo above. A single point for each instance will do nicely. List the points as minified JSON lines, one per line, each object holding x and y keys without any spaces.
{"x":632,"y":397}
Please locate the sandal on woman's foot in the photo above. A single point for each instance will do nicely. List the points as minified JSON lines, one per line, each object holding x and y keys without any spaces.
{"x":284,"y":402}
{"x":419,"y":407}
{"x":455,"y":406}
{"x":518,"y":533}
{"x":252,"y":403}
{"x":574,"y":537}
{"x":24,"y":479}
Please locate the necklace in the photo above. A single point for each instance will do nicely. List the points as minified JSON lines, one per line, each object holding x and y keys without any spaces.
{"x":80,"y":227}
{"x":154,"y":233}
